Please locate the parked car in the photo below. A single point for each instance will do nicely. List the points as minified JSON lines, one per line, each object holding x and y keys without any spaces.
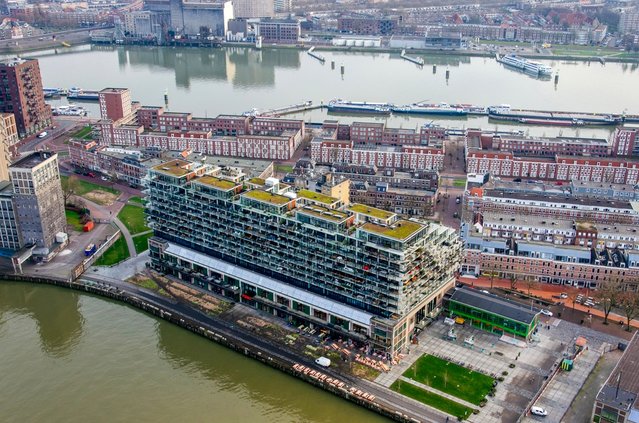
{"x":563,"y":295}
{"x":538,"y":411}
{"x":43,"y":134}
{"x":546,"y":312}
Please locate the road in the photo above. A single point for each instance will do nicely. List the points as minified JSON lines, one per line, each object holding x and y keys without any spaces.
{"x":384,"y":396}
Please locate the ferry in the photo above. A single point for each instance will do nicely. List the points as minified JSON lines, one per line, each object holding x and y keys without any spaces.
{"x":431,"y":109}
{"x":358,"y":107}
{"x":80,"y":94}
{"x":525,"y":65}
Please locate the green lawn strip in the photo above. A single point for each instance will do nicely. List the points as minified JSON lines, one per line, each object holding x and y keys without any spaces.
{"x":429,"y":398}
{"x":450,"y":378}
{"x":114,"y":254}
{"x":73,"y":219}
{"x":85,"y":187}
{"x":282,"y":168}
{"x":138,"y":200}
{"x":459,"y":182}
{"x":133,"y":218}
{"x":141,"y":242}
{"x":84,"y":133}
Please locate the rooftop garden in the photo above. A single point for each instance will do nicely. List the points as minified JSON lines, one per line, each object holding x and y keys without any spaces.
{"x":316,"y":196}
{"x":257,"y":181}
{"x":370,"y":211}
{"x":333,"y":215}
{"x":267,"y":197}
{"x":400,"y":230}
{"x":222,"y":184}
{"x":174,"y":168}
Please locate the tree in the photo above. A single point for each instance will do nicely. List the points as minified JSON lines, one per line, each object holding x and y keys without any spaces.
{"x":530,"y":284}
{"x":513,"y":282}
{"x":572,"y":296}
{"x":629,"y":303}
{"x":70,"y":187}
{"x":608,"y":295}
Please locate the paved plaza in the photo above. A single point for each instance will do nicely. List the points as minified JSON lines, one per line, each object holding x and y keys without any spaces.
{"x":534,"y":364}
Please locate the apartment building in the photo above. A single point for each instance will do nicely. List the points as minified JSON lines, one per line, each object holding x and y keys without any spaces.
{"x":408,"y":202}
{"x":549,"y":234}
{"x":8,"y":142}
{"x":356,"y":271}
{"x":21,"y":94}
{"x":367,"y":25}
{"x":278,"y":31}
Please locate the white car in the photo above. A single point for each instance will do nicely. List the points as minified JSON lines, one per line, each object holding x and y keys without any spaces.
{"x":42,"y":134}
{"x":538,"y":411}
{"x":546,"y":312}
{"x":563,"y":295}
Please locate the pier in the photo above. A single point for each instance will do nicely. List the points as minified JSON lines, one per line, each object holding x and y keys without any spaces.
{"x":287,"y":110}
{"x":417,"y":60}
{"x":311,"y":52}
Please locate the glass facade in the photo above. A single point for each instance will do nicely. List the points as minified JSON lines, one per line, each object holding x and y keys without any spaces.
{"x":492,"y":322}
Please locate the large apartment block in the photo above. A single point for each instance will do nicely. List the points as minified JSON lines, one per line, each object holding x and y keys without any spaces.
{"x":549,"y":233}
{"x":557,"y":159}
{"x":21,"y":94}
{"x":153,"y":127}
{"x":38,"y":203}
{"x":355,"y":270}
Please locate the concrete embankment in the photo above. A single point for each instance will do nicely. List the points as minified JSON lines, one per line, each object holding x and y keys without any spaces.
{"x":352,"y":389}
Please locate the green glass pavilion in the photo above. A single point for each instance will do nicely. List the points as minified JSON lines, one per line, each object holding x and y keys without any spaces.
{"x":493,"y":314}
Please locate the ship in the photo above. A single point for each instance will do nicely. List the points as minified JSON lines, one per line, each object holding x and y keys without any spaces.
{"x":572,"y":122}
{"x":430,"y":109}
{"x":52,"y":92}
{"x":342,"y":106}
{"x":80,"y":94}
{"x":70,"y":110}
{"x":525,"y":65}
{"x":540,"y":117}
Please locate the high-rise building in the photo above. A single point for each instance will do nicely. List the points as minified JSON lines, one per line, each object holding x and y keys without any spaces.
{"x":8,"y":140}
{"x":253,"y":8}
{"x":38,"y":200}
{"x":115,"y":103}
{"x":354,"y":270}
{"x":21,"y":94}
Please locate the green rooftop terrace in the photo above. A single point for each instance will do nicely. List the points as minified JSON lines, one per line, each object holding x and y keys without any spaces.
{"x":173,"y":168}
{"x":218,"y":183}
{"x":370,"y":211}
{"x":257,"y":181}
{"x":267,"y":197}
{"x":316,"y":196}
{"x":324,"y":213}
{"x":401,"y":230}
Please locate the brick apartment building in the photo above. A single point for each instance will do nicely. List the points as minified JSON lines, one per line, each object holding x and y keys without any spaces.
{"x":368,"y":25}
{"x":279,"y":31}
{"x":240,"y":136}
{"x":21,"y":94}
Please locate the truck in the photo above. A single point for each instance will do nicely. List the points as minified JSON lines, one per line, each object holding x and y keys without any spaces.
{"x":323,"y":361}
{"x":90,"y":250}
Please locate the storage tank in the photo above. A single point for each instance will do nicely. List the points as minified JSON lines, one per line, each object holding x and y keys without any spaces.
{"x":369,"y":43}
{"x":339,"y":42}
{"x":350,"y":43}
{"x":359,"y":43}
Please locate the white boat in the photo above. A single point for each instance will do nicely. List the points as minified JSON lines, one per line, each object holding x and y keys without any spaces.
{"x":525,"y":65}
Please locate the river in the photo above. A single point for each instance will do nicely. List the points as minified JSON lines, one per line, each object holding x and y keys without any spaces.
{"x":208,"y":82}
{"x":72,"y":357}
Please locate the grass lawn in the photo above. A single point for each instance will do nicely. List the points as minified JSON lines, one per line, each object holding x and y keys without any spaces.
{"x":591,"y":51}
{"x":84,"y":133}
{"x":133,"y":218}
{"x":141,"y":242}
{"x":85,"y":187}
{"x":459,"y":183}
{"x":282,"y":168}
{"x":450,"y":378}
{"x":73,"y":219}
{"x":434,"y":400}
{"x":138,"y":200}
{"x":114,"y":254}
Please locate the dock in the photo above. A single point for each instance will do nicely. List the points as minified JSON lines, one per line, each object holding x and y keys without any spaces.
{"x":287,"y":110}
{"x":311,"y":52}
{"x":417,"y":60}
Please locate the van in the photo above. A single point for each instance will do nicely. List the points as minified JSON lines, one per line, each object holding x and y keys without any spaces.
{"x":538,"y":411}
{"x":323,"y":361}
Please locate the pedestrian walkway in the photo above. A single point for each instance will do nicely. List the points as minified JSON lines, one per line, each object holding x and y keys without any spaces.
{"x":127,"y":236}
{"x":435,"y":391}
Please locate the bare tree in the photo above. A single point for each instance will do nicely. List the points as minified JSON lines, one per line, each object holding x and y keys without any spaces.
{"x":608,"y":295}
{"x":530,"y":284}
{"x":629,"y":303}
{"x":572,"y":296}
{"x":513,"y":282}
{"x":70,"y":186}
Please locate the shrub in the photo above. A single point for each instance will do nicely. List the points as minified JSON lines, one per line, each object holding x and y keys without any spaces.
{"x":511,"y":365}
{"x":500,"y":378}
{"x":504,"y":373}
